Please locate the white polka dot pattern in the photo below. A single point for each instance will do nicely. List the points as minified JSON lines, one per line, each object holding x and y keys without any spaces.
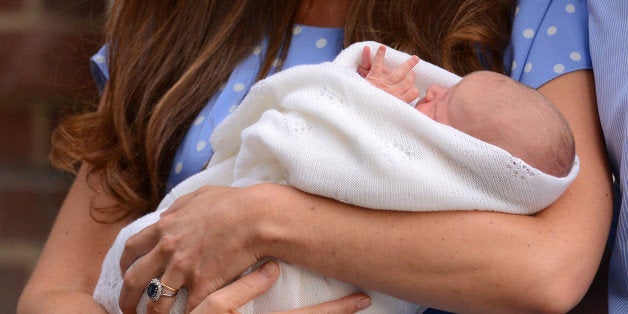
{"x":99,"y":59}
{"x":201,"y":145}
{"x":199,"y":120}
{"x":552,"y":36}
{"x":321,"y":43}
{"x":570,"y":8}
{"x":238,"y":87}
{"x":257,"y":50}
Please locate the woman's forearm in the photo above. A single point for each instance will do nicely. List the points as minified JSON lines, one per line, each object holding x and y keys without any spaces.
{"x":461,"y":261}
{"x":59,"y":302}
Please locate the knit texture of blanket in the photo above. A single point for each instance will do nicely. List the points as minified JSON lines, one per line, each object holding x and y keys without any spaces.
{"x":325,"y":130}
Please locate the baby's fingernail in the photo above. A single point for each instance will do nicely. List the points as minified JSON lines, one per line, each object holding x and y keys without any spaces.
{"x":364,"y":303}
{"x":268,"y":269}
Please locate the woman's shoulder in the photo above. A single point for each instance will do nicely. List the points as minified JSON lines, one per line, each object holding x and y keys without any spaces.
{"x":549,"y":38}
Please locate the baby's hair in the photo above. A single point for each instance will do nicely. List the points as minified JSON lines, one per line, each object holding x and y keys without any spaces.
{"x":530,"y":127}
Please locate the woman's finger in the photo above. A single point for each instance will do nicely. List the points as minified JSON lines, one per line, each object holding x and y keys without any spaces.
{"x":180,"y":202}
{"x":200,"y":246}
{"x":171,"y":281}
{"x":137,"y":272}
{"x":243,"y":290}
{"x":348,"y":304}
{"x":138,"y":245}
{"x":137,"y":278}
{"x":158,"y":260}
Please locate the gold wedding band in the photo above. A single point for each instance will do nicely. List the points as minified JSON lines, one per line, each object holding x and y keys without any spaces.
{"x":169,"y":288}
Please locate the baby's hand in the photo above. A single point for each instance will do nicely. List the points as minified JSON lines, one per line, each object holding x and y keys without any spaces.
{"x":398,"y":82}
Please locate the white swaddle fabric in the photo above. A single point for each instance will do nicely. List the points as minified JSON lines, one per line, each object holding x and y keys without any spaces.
{"x":325,"y":130}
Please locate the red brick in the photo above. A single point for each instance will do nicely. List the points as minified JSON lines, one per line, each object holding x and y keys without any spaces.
{"x":83,"y":9}
{"x":15,"y":132}
{"x":11,"y":5}
{"x":28,"y":215}
{"x":41,"y":65}
{"x":14,"y":278}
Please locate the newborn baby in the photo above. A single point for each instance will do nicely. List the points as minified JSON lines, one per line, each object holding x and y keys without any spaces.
{"x":486,"y":105}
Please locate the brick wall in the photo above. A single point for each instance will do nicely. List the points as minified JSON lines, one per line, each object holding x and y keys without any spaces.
{"x":44,"y":47}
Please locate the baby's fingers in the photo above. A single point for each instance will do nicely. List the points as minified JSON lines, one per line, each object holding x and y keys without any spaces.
{"x":411,"y":94}
{"x":402,"y":71}
{"x":378,"y":62}
{"x":365,"y":63}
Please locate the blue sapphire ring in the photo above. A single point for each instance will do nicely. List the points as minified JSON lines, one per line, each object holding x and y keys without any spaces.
{"x":156,"y":289}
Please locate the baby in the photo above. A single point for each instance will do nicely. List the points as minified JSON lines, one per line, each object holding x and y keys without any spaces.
{"x":488,"y":106}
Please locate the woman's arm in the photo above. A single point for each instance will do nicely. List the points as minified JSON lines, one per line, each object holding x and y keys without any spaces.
{"x":464,"y":261}
{"x":69,"y":266}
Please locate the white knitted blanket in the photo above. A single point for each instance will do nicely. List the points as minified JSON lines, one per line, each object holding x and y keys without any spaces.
{"x":325,"y":130}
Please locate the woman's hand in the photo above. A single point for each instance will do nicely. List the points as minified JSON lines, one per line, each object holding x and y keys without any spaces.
{"x":203,"y":241}
{"x":245,"y":289}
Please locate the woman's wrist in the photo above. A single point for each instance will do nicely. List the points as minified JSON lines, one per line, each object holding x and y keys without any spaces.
{"x":269,"y":219}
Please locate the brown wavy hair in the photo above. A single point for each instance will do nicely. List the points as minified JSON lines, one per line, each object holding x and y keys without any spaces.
{"x":167,"y":58}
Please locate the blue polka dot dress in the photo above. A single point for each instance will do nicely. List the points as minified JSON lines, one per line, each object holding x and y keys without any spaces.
{"x":549,"y":39}
{"x":309,"y":45}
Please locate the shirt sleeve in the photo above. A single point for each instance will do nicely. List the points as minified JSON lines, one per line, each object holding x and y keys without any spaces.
{"x":549,"y":39}
{"x":608,"y":38}
{"x":98,"y":66}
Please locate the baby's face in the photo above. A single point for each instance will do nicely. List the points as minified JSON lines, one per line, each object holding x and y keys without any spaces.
{"x":435,"y":104}
{"x":452,"y":106}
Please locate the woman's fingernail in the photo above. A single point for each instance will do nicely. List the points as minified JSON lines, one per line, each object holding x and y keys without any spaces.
{"x":364,"y":303}
{"x":268,"y":269}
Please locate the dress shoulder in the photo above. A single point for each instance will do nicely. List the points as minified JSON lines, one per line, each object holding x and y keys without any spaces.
{"x":548,"y":40}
